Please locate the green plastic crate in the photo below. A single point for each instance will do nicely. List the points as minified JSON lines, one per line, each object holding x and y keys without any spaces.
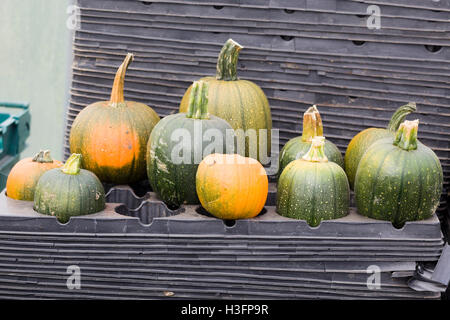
{"x":14,"y":130}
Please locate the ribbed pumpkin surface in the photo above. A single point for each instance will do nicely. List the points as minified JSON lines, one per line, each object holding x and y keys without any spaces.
{"x":397,"y":185}
{"x":65,"y":195}
{"x":113,"y":140}
{"x":313,"y":191}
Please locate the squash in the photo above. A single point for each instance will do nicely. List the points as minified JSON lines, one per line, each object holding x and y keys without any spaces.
{"x":313,"y":188}
{"x":178,"y":144}
{"x":69,"y":191}
{"x":23,"y":177}
{"x":112,"y":135}
{"x":399,"y":179}
{"x":363,"y":140}
{"x":230,"y":186}
{"x":241,"y":103}
{"x":299,"y":146}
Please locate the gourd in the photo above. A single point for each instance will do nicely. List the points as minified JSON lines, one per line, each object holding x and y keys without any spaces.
{"x":241,"y":103}
{"x":363,"y":140}
{"x":231,"y":186}
{"x":299,"y":146}
{"x":69,"y":191}
{"x":112,"y":135}
{"x":178,"y":144}
{"x":23,"y":177}
{"x":399,"y":179}
{"x":313,"y":188}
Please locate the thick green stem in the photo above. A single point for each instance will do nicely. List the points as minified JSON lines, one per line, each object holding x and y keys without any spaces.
{"x":316,"y":153}
{"x":73,"y":164}
{"x":117,"y":97}
{"x":198,"y":101}
{"x":43,"y":157}
{"x":400,"y":114}
{"x":312,"y":124}
{"x":227,"y":61}
{"x":406,"y":137}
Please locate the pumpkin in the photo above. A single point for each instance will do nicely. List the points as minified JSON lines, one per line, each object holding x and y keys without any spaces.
{"x":299,"y":146}
{"x":23,"y":177}
{"x":69,"y":191}
{"x":363,"y":140}
{"x":112,"y":135}
{"x":179,"y":142}
{"x":231,"y":186}
{"x":399,"y":179}
{"x":313,"y":188}
{"x":241,"y":103}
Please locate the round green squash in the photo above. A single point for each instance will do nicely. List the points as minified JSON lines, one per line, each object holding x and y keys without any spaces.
{"x":241,"y":103}
{"x":299,"y":146}
{"x":363,"y":140}
{"x":69,"y":191}
{"x":112,"y":135}
{"x":399,"y":179}
{"x":178,"y":144}
{"x":313,"y":188}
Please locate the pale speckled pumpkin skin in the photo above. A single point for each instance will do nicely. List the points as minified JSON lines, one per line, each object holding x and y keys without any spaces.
{"x":313,"y":191}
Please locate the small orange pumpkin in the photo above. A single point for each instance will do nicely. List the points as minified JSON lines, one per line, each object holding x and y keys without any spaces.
{"x":112,"y":135}
{"x":230,"y":186}
{"x":24,"y":176}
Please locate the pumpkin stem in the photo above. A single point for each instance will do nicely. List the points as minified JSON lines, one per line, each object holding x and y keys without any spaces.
{"x":117,"y":97}
{"x":198,"y":101}
{"x":316,"y":152}
{"x":312,"y":124}
{"x":399,"y":116}
{"x":227,"y":61}
{"x":406,"y":137}
{"x":43,"y":157}
{"x":73,"y":164}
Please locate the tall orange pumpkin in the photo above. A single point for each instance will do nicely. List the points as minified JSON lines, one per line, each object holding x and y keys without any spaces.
{"x":112,"y":135}
{"x":230,"y":186}
{"x":25,"y":174}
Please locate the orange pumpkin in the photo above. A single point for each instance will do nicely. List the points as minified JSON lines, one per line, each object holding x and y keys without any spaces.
{"x":112,"y":135}
{"x":24,"y":176}
{"x":230,"y":186}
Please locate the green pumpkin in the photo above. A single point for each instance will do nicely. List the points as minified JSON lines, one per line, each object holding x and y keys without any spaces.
{"x":363,"y":140}
{"x":299,"y":146}
{"x":399,"y":179}
{"x":241,"y":103}
{"x":313,"y":188}
{"x":178,"y":144}
{"x":69,"y":191}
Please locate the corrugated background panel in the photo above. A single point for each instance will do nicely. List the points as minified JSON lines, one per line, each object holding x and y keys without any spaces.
{"x":300,"y":52}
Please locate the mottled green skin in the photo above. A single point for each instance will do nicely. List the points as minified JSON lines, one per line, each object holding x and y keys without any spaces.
{"x":358,"y":146}
{"x":175,"y":183}
{"x":296,"y":148}
{"x":313,"y":191}
{"x":66,"y":195}
{"x":396,"y":185}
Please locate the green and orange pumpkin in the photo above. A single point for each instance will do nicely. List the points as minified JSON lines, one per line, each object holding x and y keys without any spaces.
{"x":299,"y":146}
{"x":112,"y":135}
{"x":25,"y":174}
{"x":399,"y":179}
{"x":363,"y":140}
{"x":241,"y":103}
